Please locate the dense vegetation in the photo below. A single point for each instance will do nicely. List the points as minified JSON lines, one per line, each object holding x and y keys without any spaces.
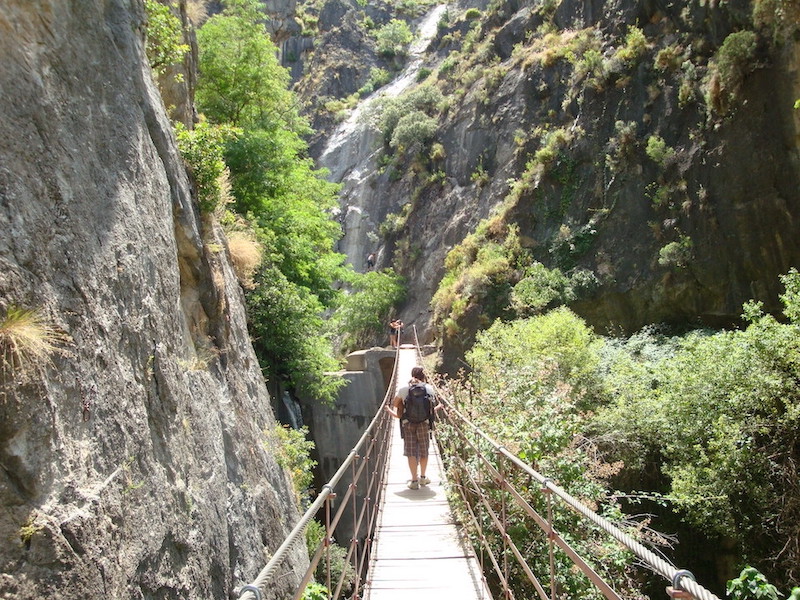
{"x":704,"y":424}
{"x":666,"y":419}
{"x":248,"y":160}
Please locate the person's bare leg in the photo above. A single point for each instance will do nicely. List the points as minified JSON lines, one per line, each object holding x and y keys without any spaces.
{"x":412,"y":466}
{"x":423,"y":465}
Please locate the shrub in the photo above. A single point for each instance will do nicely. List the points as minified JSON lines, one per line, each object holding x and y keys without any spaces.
{"x":448,"y":64}
{"x":620,"y":147}
{"x":165,"y":45}
{"x":293,"y":451}
{"x":780,"y":18}
{"x":360,"y":318}
{"x":676,"y":254}
{"x":537,"y":289}
{"x":472,"y":14}
{"x":196,"y":12}
{"x":377,"y":79}
{"x":635,"y":46}
{"x":568,"y":245}
{"x":438,"y":152}
{"x":316,"y":591}
{"x":393,"y":38}
{"x":591,"y":65}
{"x":481,"y":271}
{"x":733,"y":398}
{"x":413,"y":131}
{"x":751,"y":585}
{"x":202,"y":149}
{"x":340,"y":568}
{"x":735,"y":57}
{"x":415,"y":109}
{"x":553,"y":142}
{"x":480,"y":176}
{"x":791,"y":297}
{"x":658,"y":151}
{"x":668,"y":59}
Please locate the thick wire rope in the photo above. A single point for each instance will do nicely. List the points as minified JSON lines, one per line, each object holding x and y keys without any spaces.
{"x":680,"y":579}
{"x":252,"y":591}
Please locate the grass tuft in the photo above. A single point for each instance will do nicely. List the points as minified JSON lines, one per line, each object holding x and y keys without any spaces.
{"x":246,"y":255}
{"x":26,"y":338}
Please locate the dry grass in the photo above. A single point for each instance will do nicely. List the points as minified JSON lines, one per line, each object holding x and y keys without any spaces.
{"x":246,"y":254}
{"x":26,"y":338}
{"x":225,"y":194}
{"x":197,"y":12}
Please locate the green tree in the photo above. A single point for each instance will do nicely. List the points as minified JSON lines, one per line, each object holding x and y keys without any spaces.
{"x":241,"y":81}
{"x":165,"y":45}
{"x":393,"y":37}
{"x":287,"y":329}
{"x":532,"y":388}
{"x":731,"y":402}
{"x":362,"y":313}
{"x":276,"y":187}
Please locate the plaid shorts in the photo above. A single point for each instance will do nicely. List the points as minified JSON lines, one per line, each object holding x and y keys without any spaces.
{"x":416,"y":439}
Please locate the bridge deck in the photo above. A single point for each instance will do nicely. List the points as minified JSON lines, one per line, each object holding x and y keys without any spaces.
{"x":418,"y":552}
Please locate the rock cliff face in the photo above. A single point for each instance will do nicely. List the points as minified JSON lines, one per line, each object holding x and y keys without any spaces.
{"x":134,"y":462}
{"x":685,"y":237}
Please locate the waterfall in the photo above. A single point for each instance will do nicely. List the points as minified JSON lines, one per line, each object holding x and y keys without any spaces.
{"x":352,"y":150}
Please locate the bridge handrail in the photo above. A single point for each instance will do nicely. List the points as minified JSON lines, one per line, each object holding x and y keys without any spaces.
{"x":679,"y":578}
{"x":252,"y":591}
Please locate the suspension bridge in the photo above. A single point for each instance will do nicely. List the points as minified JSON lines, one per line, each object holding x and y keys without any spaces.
{"x":410,"y":543}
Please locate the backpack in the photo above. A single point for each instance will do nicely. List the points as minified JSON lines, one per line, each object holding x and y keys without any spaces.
{"x":417,"y":405}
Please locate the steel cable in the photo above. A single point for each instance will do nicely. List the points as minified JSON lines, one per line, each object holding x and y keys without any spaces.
{"x":249,"y":591}
{"x":680,"y":579}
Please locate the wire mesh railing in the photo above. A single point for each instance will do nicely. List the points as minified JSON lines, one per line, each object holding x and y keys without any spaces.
{"x":364,"y":468}
{"x":490,"y":481}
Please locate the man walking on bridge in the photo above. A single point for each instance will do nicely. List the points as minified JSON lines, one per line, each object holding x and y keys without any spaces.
{"x":413,"y":405}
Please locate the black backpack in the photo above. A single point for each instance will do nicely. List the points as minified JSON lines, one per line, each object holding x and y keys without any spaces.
{"x":417,"y":405}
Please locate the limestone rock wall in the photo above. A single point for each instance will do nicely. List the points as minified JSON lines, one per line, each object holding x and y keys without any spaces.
{"x":134,"y":463}
{"x":727,"y":198}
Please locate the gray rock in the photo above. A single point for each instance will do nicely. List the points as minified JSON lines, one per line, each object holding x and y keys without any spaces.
{"x":135,"y":463}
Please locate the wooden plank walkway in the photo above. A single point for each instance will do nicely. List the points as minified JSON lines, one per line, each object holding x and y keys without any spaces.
{"x":418,"y":552}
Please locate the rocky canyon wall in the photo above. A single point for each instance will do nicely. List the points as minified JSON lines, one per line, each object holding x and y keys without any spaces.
{"x":551,"y":108}
{"x":135,"y":461}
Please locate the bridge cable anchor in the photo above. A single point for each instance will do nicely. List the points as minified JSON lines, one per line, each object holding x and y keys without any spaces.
{"x":675,"y":590}
{"x":250,"y":588}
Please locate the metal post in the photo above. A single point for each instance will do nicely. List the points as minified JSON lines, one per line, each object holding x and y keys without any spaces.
{"x":550,"y":537}
{"x":503,"y":520}
{"x":354,"y":541}
{"x":328,"y":541}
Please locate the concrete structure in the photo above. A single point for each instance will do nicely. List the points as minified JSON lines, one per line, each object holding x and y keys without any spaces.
{"x":336,"y":428}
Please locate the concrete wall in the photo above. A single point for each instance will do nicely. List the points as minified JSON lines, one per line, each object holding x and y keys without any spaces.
{"x":337,"y":428}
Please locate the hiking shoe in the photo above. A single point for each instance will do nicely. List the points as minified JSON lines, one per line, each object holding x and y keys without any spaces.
{"x":413,"y":484}
{"x":424,"y":480}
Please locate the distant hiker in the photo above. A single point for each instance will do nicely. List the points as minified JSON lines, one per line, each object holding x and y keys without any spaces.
{"x":414,"y":405}
{"x":395,"y":327}
{"x":370,"y":261}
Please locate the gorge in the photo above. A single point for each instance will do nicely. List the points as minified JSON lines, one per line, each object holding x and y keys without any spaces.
{"x":637,"y":161}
